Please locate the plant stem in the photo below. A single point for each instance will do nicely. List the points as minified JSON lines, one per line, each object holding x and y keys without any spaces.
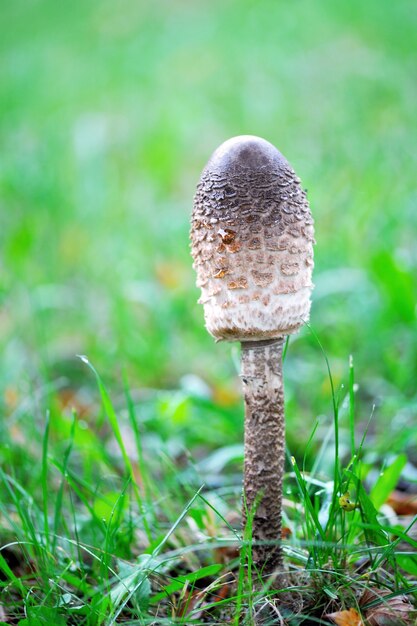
{"x":264,"y":448}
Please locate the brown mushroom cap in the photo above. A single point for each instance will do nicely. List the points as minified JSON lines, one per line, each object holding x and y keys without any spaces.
{"x":252,"y":241}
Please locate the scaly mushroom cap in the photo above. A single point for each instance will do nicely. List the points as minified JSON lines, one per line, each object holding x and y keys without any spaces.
{"x":252,"y":241}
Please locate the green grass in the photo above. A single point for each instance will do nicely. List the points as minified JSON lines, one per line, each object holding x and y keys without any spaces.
{"x":113,"y":495}
{"x":159,"y":542}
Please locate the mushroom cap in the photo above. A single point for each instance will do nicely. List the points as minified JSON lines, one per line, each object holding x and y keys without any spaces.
{"x":252,"y":239}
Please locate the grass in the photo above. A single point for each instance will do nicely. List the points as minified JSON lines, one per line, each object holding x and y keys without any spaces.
{"x":115,"y":494}
{"x":135,"y":541}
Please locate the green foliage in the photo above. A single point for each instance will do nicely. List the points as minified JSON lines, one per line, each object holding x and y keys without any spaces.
{"x":387,"y":481}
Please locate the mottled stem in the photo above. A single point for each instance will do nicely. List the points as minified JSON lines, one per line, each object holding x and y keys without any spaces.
{"x":264,"y":448}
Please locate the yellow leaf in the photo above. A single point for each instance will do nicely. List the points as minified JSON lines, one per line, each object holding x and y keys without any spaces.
{"x":346,"y":618}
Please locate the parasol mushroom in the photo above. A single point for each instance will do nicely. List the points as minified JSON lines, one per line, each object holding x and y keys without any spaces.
{"x":252,"y":241}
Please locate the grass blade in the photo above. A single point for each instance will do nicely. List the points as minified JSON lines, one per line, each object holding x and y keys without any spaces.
{"x":114,"y":423}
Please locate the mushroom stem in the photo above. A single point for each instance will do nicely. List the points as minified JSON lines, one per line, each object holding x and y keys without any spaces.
{"x":264,"y":448}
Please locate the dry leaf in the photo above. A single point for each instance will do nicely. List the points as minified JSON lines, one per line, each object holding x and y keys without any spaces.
{"x":11,"y":398}
{"x":397,"y":611}
{"x":222,"y":593}
{"x":403,"y":503}
{"x":346,"y":618}
{"x":225,"y":554}
{"x":197,"y":598}
{"x":71,"y":400}
{"x":189,"y":603}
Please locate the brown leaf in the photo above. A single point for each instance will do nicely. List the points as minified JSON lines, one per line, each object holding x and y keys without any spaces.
{"x":285,"y":532}
{"x":225,"y":554}
{"x":11,"y":398}
{"x":346,"y":618}
{"x":71,"y":400}
{"x":403,"y":503}
{"x":189,"y":602}
{"x":222,"y":593}
{"x":397,"y":611}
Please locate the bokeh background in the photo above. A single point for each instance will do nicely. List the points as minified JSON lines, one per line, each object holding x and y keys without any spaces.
{"x":109,"y":112}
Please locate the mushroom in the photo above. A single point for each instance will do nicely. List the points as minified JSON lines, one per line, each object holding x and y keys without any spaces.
{"x":252,"y":241}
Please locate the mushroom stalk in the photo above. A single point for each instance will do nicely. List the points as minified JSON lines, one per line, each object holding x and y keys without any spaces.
{"x":264,"y":448}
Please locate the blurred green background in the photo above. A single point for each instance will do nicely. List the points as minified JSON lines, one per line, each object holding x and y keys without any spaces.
{"x":110,"y":111}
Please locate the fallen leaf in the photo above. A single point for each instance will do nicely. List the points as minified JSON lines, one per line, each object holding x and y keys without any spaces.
{"x":222,"y":593}
{"x":403,"y":503}
{"x":189,"y":603}
{"x":285,"y":532}
{"x":225,"y":554}
{"x":346,"y":618}
{"x":396,"y":611}
{"x":71,"y":400}
{"x":11,"y":397}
